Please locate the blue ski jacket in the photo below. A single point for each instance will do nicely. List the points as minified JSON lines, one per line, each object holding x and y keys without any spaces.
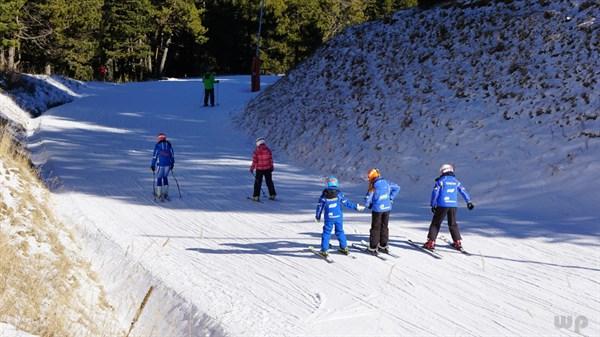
{"x":330,"y":203}
{"x":379,"y":199}
{"x":445,"y":191}
{"x":163,"y":154}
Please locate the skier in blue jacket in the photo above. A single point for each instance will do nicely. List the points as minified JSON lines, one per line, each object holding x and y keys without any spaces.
{"x":330,"y":203}
{"x":444,"y":201}
{"x":163,"y":161}
{"x":379,"y":199}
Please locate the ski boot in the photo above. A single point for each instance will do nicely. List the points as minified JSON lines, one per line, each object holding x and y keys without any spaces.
{"x":457,"y":245}
{"x":272,"y":197}
{"x":372,"y":251}
{"x":323,"y":253}
{"x":255,"y":199}
{"x":344,"y":251}
{"x":430,"y":244}
{"x":384,"y":250}
{"x":165,"y":193}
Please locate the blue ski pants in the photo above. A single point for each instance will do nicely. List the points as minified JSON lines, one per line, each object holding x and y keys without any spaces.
{"x":162,"y":172}
{"x":339,"y":233}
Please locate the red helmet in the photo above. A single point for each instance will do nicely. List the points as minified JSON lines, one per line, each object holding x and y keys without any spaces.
{"x":161,"y":136}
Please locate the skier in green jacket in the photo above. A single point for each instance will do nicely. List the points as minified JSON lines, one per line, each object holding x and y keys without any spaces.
{"x":209,"y":88}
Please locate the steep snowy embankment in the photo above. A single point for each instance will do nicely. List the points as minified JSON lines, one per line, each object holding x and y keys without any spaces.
{"x":46,"y":286}
{"x":507,"y":91}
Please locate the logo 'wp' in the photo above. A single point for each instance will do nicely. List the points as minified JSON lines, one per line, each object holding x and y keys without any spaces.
{"x":566,"y":322}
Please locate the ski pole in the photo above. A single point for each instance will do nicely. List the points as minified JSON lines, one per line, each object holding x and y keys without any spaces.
{"x":217,"y":95}
{"x":154,"y":185}
{"x":261,"y":189}
{"x":176,"y":182}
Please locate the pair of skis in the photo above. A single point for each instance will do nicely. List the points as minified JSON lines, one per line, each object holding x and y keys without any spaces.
{"x":361,"y":246}
{"x":326,"y":257}
{"x":161,"y":198}
{"x":434,"y":253}
{"x":260,"y":201}
{"x":451,"y":244}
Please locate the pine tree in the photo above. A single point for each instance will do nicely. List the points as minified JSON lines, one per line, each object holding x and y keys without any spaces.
{"x":125,"y":43}
{"x":10,"y":28}
{"x":232,"y":25}
{"x":73,"y":44}
{"x":174,"y":18}
{"x":377,"y":9}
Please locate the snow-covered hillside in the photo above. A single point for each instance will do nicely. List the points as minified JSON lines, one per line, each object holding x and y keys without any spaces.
{"x":505,"y":90}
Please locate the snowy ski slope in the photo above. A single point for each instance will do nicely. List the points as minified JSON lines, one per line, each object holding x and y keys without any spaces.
{"x":245,"y":265}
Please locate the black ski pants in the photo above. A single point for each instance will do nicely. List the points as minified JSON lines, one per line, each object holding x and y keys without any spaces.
{"x":209,"y":93}
{"x":379,"y":233}
{"x":258,"y":182}
{"x":438,"y":218}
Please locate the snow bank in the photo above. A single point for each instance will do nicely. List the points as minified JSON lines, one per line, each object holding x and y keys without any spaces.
{"x":142,"y":303}
{"x":47,"y":287}
{"x":505,"y":91}
{"x":23,"y":96}
{"x":38,"y":93}
{"x":7,"y":330}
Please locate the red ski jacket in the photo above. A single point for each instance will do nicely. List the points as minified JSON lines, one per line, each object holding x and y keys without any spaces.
{"x":262,"y":158}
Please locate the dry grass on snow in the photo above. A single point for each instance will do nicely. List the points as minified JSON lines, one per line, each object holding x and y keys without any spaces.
{"x":45,"y":288}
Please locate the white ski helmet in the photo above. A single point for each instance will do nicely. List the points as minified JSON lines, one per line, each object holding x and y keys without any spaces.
{"x":446,"y":168}
{"x":260,"y":140}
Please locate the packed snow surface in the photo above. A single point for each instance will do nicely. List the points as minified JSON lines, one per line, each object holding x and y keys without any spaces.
{"x":246,"y":266}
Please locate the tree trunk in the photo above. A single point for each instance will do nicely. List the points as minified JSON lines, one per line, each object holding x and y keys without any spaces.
{"x":149,"y":64}
{"x":2,"y":59}
{"x":156,"y":52}
{"x":164,"y":58}
{"x":11,"y":58}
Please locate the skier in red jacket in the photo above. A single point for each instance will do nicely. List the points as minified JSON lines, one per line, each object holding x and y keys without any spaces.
{"x":262,"y":162}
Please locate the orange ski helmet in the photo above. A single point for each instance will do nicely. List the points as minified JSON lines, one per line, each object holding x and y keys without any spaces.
{"x":373,"y":174}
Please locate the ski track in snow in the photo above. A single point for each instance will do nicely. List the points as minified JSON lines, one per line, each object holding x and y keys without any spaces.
{"x":247,"y":265}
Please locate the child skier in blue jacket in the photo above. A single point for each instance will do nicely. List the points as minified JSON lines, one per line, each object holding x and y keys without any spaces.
{"x":163,"y":157}
{"x":444,"y":201}
{"x":379,"y":198}
{"x":330,"y":203}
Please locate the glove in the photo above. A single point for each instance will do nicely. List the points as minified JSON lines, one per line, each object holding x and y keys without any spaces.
{"x":251,"y":171}
{"x":470,"y":205}
{"x":360,"y":208}
{"x":433,"y":209}
{"x":317,"y":219}
{"x":171,"y":167}
{"x":153,"y":168}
